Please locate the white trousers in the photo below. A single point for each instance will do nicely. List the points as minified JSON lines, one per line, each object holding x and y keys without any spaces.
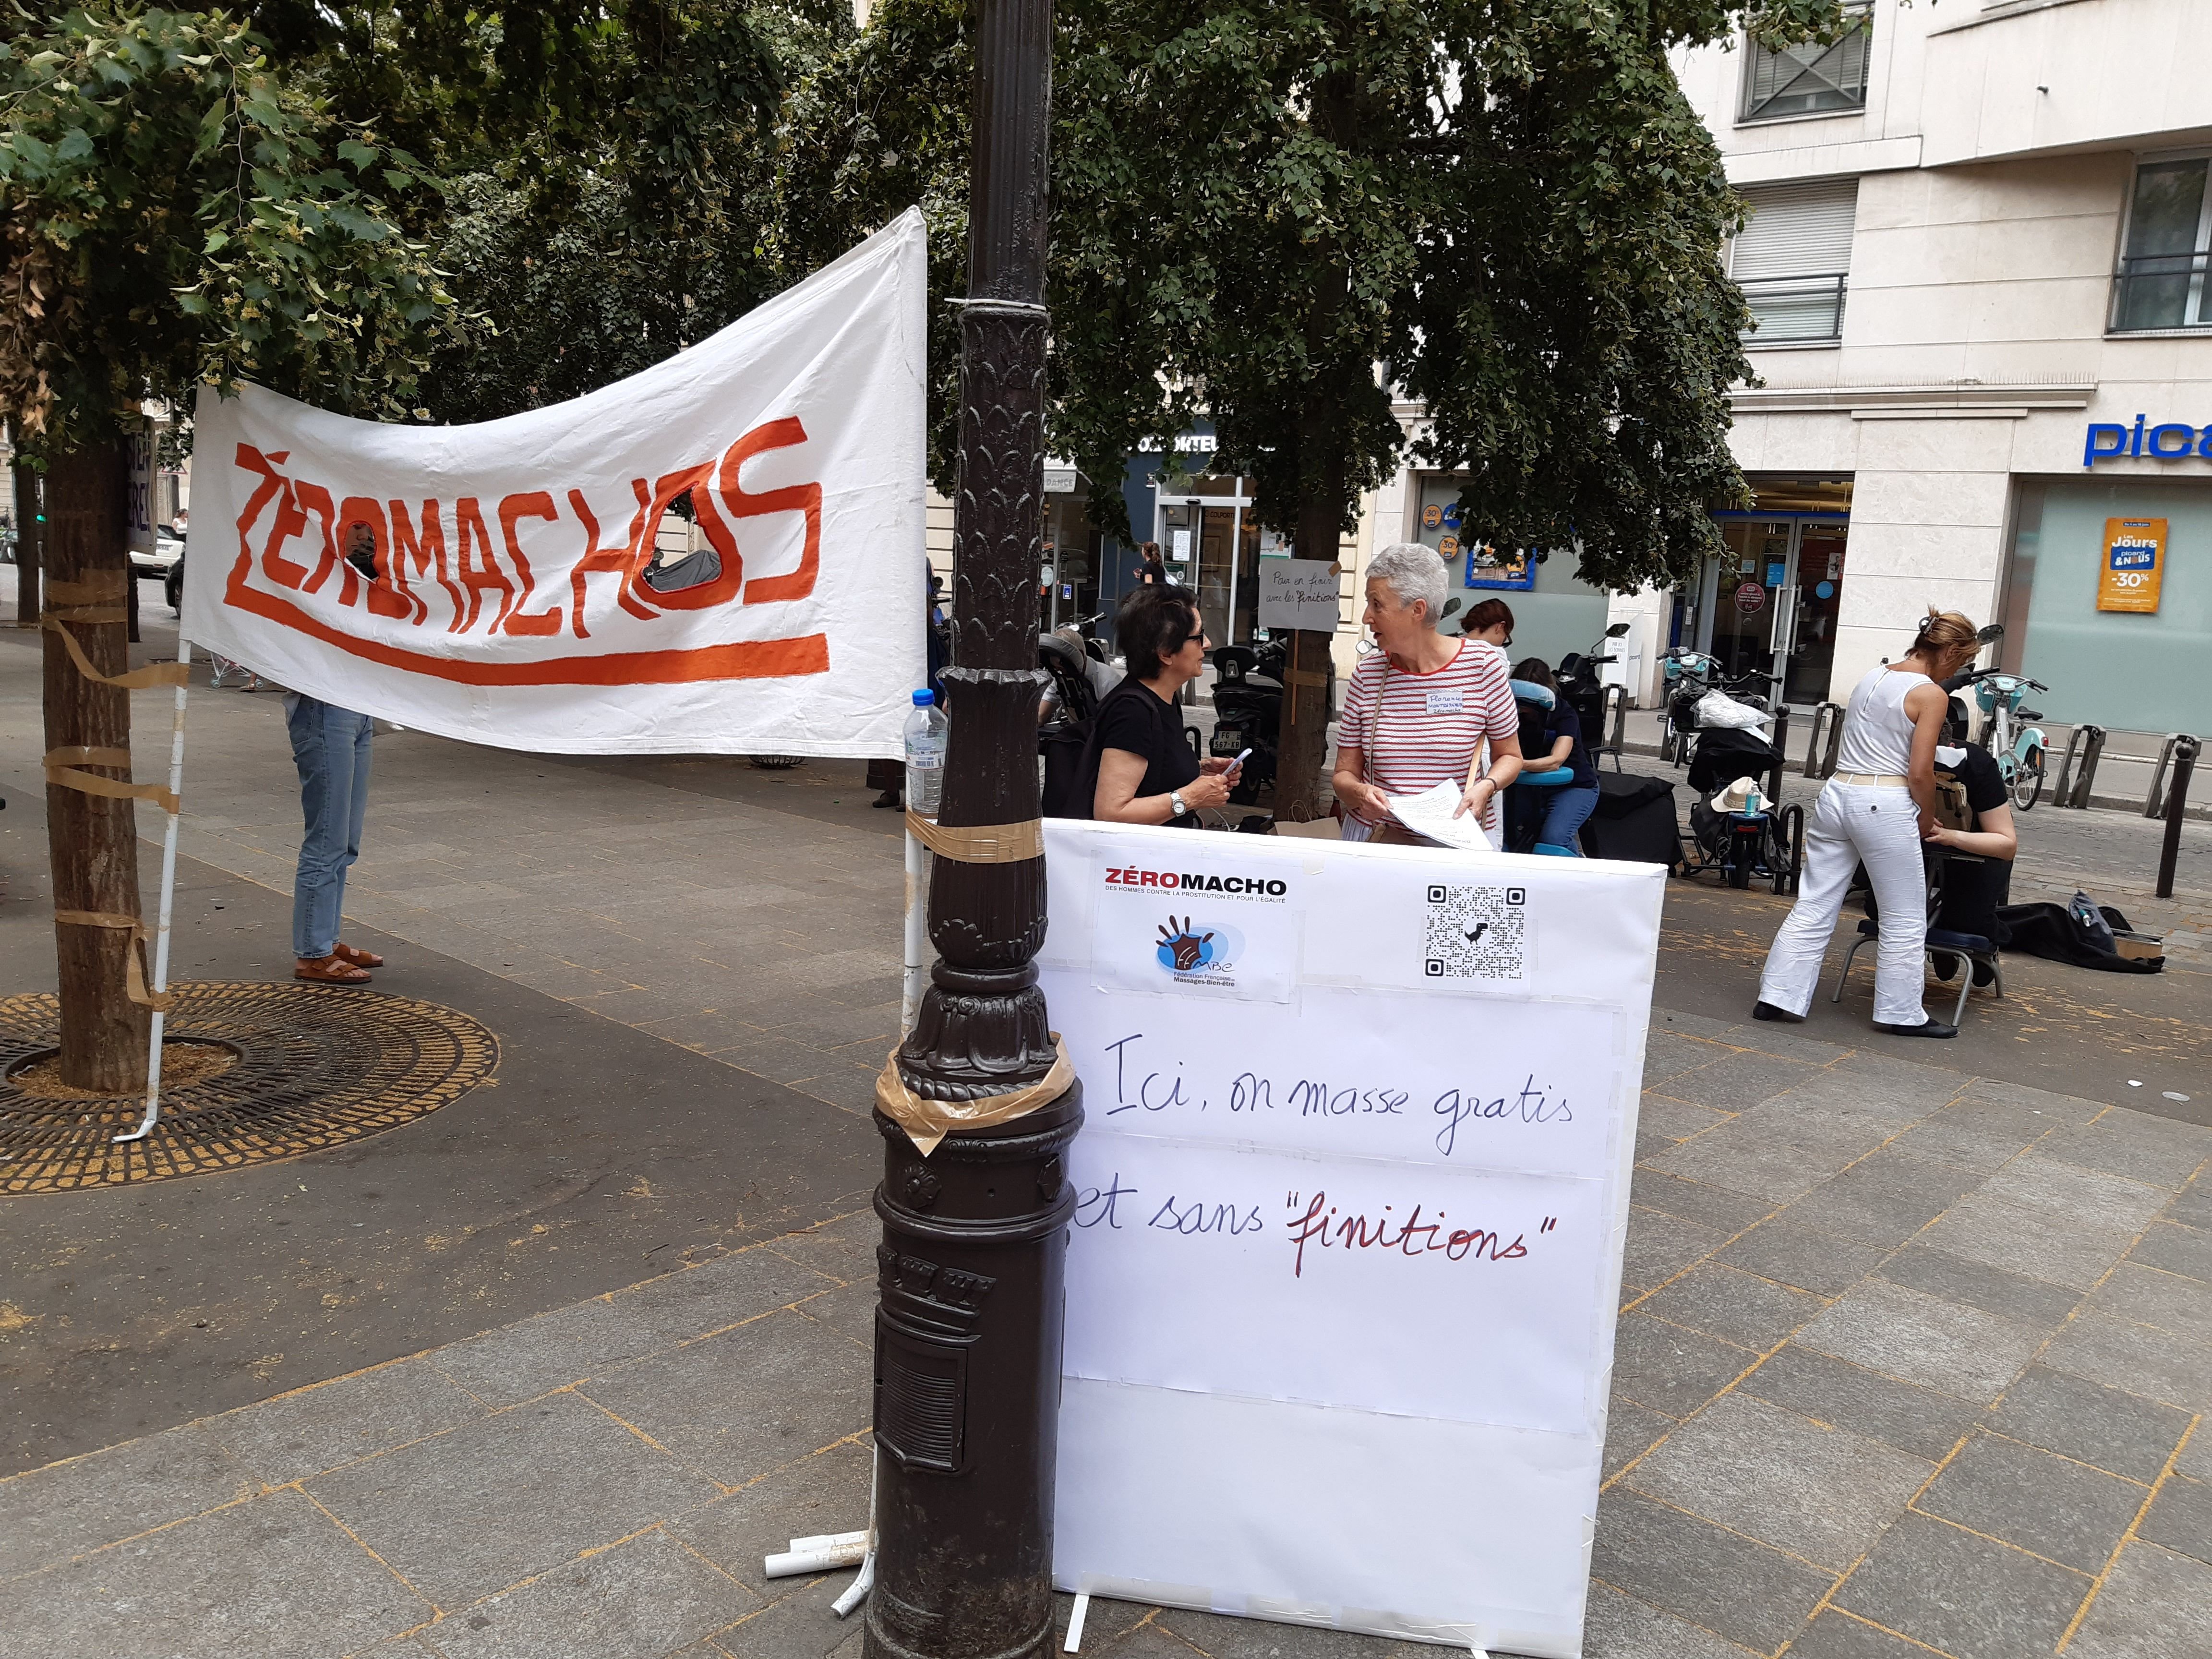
{"x":1852,"y":824}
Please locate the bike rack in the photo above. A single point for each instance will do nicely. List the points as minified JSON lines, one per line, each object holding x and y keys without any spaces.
{"x":2085,"y":749}
{"x":2155,"y":802}
{"x":1825,"y":739}
{"x":1612,"y":717}
{"x":1792,"y":826}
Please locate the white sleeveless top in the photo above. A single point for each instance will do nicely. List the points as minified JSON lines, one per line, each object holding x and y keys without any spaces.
{"x":1877,"y":731}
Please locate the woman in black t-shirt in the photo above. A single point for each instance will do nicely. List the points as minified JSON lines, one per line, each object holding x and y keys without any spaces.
{"x":1973,"y":888}
{"x":1138,"y":767}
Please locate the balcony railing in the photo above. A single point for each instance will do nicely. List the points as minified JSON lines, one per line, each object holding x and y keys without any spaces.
{"x":1794,"y":310}
{"x":2160,"y":291}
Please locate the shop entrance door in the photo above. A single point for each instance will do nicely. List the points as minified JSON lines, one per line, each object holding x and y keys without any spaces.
{"x":1211,"y":549}
{"x":1769,"y":605}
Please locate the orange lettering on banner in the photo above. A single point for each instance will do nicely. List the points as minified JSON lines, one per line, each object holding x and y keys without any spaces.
{"x":317,"y":500}
{"x":407,"y":556}
{"x":794,"y":498}
{"x":706,"y":595}
{"x":385,"y":598}
{"x":536,"y":505}
{"x":621,"y":561}
{"x":251,"y":459}
{"x":484,"y":575}
{"x":427,"y":554}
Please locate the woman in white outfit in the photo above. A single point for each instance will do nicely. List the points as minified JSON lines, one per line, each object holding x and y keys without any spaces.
{"x":1875,"y":811}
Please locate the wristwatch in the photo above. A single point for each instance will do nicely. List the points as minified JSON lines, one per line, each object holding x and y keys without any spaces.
{"x":1176,"y":803}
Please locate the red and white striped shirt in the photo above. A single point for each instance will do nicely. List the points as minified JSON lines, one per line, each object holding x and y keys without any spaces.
{"x":1417,"y":731}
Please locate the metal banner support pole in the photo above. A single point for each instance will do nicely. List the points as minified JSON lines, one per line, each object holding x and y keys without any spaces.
{"x":168,"y":902}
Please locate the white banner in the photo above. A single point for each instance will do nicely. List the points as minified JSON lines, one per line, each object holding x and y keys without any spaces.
{"x":776,"y":468}
{"x":1351,"y":1192}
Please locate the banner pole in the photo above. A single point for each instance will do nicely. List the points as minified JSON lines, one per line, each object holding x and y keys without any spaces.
{"x":917,"y":929}
{"x":169,"y":897}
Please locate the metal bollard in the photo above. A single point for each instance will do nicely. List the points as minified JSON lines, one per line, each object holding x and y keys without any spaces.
{"x":1612,"y":715}
{"x":2085,"y":749}
{"x":2177,"y":804}
{"x":2153,"y":801}
{"x":1828,"y":730}
{"x":1781,"y":750}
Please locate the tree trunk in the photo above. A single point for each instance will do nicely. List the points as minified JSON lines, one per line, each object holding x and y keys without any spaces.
{"x":95,"y":840}
{"x":30,"y":542}
{"x":1302,"y":764}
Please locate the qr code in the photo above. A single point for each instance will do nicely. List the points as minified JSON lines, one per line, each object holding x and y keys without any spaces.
{"x":1476,"y":932}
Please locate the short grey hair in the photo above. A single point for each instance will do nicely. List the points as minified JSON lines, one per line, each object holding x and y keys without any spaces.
{"x":1414,"y":572}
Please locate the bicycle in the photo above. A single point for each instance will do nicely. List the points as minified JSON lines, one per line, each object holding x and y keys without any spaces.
{"x":2019,"y":749}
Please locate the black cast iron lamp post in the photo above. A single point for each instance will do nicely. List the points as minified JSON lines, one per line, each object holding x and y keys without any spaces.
{"x":968,"y":1322}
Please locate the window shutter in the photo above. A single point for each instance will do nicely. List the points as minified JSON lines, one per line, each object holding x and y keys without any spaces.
{"x":1797,"y":230}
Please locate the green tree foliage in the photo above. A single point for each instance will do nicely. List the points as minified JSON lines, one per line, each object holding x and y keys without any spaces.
{"x":176,"y":209}
{"x":1278,"y":212}
{"x":591,"y":255}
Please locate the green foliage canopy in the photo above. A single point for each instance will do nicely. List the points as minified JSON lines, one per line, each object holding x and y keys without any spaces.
{"x":175,"y":209}
{"x":1505,"y":206}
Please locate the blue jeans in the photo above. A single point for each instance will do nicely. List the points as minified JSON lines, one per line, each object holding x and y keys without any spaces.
{"x":1565,"y":813}
{"x":331,"y":747}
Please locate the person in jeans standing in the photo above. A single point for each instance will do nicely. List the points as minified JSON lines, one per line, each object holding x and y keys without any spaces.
{"x":330,"y":746}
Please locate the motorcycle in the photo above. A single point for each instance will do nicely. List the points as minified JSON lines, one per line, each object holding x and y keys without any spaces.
{"x":1762,"y":838}
{"x":1248,"y":712}
{"x":1580,"y":683}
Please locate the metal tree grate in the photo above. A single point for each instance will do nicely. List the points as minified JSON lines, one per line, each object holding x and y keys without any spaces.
{"x":317,"y":1066}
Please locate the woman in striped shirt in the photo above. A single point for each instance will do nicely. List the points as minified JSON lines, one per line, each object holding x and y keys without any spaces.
{"x":1420,"y":708}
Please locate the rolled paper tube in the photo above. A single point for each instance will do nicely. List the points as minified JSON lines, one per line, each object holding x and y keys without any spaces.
{"x":795,"y":1562}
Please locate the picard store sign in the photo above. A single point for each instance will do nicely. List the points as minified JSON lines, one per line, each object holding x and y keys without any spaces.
{"x":2175,"y":441}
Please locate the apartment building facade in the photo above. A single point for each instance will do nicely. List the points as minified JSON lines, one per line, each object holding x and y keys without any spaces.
{"x":1977,"y":255}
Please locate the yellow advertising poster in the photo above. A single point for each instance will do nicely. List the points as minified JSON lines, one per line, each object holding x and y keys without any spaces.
{"x":2135,"y":560}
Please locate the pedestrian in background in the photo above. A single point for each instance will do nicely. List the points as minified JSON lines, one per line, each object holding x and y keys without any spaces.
{"x":331,"y":747}
{"x":1875,"y":810}
{"x":1490,"y":622}
{"x":1152,"y":570}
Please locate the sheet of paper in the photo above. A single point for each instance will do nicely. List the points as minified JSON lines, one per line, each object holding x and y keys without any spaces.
{"x":1429,"y":813}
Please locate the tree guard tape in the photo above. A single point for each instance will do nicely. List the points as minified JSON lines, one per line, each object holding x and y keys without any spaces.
{"x":135,"y":982}
{"x":979,"y":843}
{"x":64,"y":775}
{"x":927,"y":1121}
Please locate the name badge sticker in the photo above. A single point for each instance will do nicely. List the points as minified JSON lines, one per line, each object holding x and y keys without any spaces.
{"x":1446,"y":702}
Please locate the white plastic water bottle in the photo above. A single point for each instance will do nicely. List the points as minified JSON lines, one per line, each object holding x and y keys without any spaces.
{"x":926,"y":730}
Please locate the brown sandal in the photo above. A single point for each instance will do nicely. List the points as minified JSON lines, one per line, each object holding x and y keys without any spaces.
{"x":358,"y":959}
{"x":332,"y":970}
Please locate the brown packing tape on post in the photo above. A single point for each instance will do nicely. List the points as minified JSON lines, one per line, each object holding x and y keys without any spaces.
{"x":928,"y":1122}
{"x":103,"y":585}
{"x":64,"y":774}
{"x":139,"y":679}
{"x":979,"y":843}
{"x":135,"y":983}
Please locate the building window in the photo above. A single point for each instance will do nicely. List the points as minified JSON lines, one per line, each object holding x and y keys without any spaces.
{"x":2160,"y":281}
{"x":1810,"y":79}
{"x":1793,"y":260}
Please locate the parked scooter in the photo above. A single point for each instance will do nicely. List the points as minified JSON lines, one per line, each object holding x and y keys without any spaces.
{"x":1248,"y":712}
{"x":1582,"y":684}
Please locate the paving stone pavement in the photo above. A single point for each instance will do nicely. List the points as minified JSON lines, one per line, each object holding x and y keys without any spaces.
{"x":1909,"y":1361}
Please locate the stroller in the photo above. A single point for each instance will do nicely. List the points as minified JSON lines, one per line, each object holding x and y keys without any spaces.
{"x":1768,"y":841}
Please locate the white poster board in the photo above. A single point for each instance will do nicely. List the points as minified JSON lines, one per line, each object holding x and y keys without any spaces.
{"x":1298,"y":594}
{"x":1353,"y":1186}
